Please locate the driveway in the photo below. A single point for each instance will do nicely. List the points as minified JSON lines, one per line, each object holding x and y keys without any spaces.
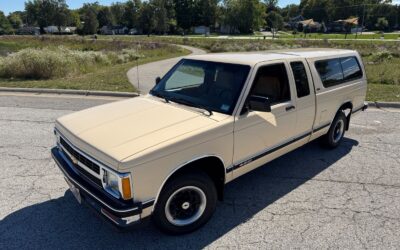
{"x":310,"y":198}
{"x":149,"y":72}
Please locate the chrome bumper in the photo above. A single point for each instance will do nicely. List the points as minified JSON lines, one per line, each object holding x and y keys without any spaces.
{"x":121,"y":213}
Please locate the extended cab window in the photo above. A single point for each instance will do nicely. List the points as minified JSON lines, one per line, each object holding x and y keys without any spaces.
{"x":351,"y":68}
{"x":339,"y":70}
{"x":300,"y":78}
{"x":272,"y":82}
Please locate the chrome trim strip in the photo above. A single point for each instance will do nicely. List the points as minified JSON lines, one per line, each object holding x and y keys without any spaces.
{"x":80,"y":186}
{"x":268,"y":151}
{"x":321,"y":127}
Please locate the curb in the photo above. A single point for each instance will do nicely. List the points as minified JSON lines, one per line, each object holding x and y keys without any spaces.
{"x":384,"y":104}
{"x":69,"y":92}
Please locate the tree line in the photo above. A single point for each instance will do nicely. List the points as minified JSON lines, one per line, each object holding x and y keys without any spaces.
{"x":180,"y":16}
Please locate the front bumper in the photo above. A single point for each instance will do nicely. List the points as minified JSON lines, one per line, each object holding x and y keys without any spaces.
{"x":121,"y":213}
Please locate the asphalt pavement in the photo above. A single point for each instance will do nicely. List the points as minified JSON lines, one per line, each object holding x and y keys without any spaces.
{"x":310,"y":198}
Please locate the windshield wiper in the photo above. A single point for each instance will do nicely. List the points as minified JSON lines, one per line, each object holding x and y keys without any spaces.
{"x":188,"y":103}
{"x":154,"y":93}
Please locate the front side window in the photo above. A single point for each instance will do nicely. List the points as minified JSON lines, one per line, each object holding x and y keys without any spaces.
{"x":272,"y":82}
{"x":301,"y":79}
{"x":210,"y":85}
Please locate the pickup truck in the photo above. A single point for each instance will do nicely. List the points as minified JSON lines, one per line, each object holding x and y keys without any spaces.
{"x":212,"y":118}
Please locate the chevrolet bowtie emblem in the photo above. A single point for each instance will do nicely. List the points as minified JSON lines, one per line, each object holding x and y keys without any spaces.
{"x":74,"y":160}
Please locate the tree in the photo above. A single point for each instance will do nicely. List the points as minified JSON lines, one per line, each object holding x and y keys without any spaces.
{"x":47,"y":12}
{"x":132,"y":13}
{"x":274,"y":21}
{"x":251,"y":13}
{"x":117,"y":10}
{"x":146,"y":19}
{"x":319,"y":10}
{"x":382,"y":23}
{"x":184,"y":13}
{"x":205,"y":12}
{"x":5,"y":26}
{"x":62,"y":15}
{"x":105,"y":17}
{"x":74,"y":19}
{"x":15,"y":20}
{"x":160,"y":16}
{"x":290,"y":11}
{"x":90,"y":22}
{"x":271,"y":5}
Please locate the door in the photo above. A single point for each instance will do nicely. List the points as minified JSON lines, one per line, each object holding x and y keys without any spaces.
{"x":259,"y":136}
{"x":305,"y":97}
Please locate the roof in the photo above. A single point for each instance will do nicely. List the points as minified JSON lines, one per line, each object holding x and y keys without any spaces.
{"x":353,"y":21}
{"x":308,"y":22}
{"x":252,"y":58}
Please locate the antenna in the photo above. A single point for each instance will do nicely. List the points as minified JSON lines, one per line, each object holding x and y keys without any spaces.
{"x":137,"y":74}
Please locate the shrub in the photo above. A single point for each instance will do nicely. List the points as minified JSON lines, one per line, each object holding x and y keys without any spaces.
{"x":381,"y":56}
{"x":49,"y":63}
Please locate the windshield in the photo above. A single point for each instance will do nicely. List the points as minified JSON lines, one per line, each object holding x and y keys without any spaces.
{"x":209,"y":85}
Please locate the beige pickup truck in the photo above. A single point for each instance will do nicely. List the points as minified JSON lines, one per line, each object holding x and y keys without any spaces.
{"x":210,"y":119}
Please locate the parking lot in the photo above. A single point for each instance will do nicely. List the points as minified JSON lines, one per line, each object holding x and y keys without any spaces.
{"x":311,"y":198}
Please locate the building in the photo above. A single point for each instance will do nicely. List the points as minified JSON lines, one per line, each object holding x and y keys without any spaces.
{"x":114,"y":30}
{"x":28,"y":30}
{"x":64,"y":30}
{"x":201,"y":30}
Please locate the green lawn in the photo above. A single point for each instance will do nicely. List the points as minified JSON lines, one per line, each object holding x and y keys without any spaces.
{"x":383,"y":92}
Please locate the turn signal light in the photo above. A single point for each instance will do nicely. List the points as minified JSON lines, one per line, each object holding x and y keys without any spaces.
{"x":126,"y":188}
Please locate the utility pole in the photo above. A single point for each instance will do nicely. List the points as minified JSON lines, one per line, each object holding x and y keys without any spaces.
{"x":363,"y":18}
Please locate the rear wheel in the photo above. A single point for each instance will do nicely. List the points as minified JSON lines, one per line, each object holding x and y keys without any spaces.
{"x":186,"y":203}
{"x":336,"y":132}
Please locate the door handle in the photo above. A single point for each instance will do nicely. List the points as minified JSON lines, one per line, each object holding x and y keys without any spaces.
{"x":290,"y":108}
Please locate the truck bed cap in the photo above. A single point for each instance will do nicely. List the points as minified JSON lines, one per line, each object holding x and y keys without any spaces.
{"x":252,"y":58}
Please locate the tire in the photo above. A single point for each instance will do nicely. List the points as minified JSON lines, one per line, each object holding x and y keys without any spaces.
{"x":336,"y":132}
{"x":186,"y":203}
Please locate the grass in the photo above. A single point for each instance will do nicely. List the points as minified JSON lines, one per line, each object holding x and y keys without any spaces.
{"x":100,"y":77}
{"x":383,"y":92}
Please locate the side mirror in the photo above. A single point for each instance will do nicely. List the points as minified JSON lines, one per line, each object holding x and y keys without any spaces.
{"x":158,"y":80}
{"x":259,"y":103}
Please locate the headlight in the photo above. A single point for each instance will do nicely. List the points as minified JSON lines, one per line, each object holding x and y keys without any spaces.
{"x":118,"y":185}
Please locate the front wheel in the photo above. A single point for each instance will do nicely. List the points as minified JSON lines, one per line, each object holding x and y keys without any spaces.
{"x":336,"y":132}
{"x":186,"y":203}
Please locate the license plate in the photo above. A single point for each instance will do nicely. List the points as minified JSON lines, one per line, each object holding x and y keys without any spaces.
{"x":74,"y":191}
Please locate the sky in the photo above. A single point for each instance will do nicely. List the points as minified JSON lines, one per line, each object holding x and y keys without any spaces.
{"x":8,"y":6}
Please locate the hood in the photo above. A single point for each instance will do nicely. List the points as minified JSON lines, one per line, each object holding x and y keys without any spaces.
{"x":125,"y":128}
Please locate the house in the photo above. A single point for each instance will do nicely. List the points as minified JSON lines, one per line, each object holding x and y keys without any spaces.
{"x":201,"y":30}
{"x":114,"y":30}
{"x":294,"y":21}
{"x":310,"y":26}
{"x":28,"y":30}
{"x":64,"y":30}
{"x":133,"y":31}
{"x":349,"y":25}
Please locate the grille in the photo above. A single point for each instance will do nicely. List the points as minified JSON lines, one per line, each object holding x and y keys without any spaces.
{"x":85,"y":161}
